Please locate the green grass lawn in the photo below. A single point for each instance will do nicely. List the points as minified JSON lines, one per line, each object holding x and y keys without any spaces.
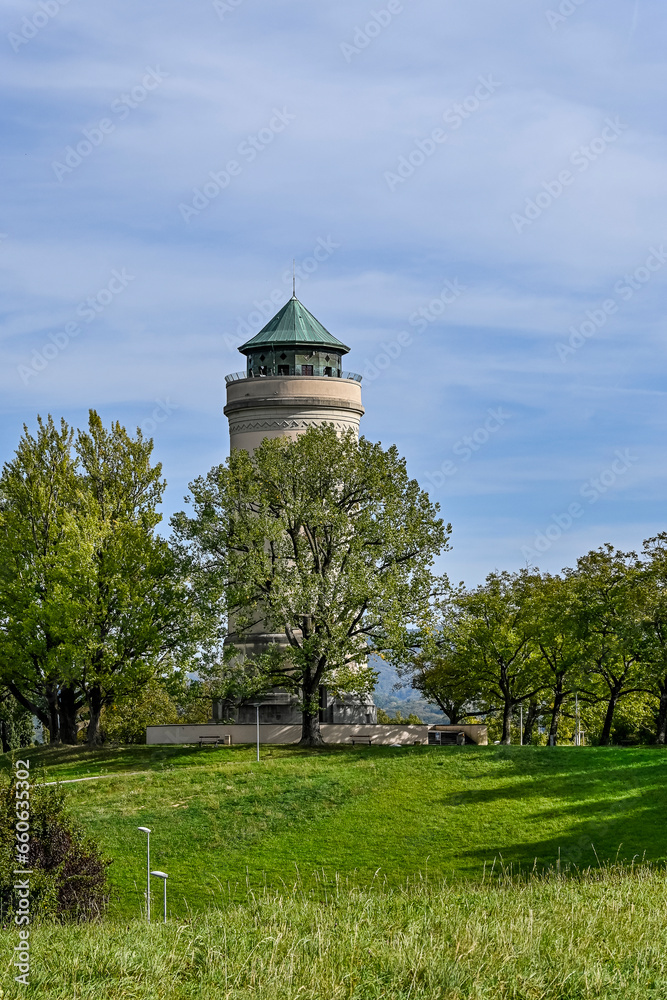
{"x":223,"y":823}
{"x":601,"y":936}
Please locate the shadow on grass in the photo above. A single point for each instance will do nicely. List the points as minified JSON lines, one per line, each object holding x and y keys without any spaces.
{"x":604,"y":813}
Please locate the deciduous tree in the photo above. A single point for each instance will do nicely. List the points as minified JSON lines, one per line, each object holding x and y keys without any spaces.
{"x":488,"y":631}
{"x":328,"y":541}
{"x":607,"y":587}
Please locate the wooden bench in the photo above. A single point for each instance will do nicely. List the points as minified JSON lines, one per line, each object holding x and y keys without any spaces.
{"x":362,"y":739}
{"x":214,"y":741}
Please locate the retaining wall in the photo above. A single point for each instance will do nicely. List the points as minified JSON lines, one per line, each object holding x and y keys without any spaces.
{"x":331,"y":733}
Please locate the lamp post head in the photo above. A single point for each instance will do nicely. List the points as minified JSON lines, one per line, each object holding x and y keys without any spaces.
{"x":144,"y":829}
{"x":160,"y":874}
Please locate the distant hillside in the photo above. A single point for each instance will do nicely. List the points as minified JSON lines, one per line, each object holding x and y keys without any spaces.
{"x":405,"y":699}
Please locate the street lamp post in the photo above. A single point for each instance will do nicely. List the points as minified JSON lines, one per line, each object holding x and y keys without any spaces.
{"x":257,"y":705}
{"x":145,"y":829}
{"x":164,"y":877}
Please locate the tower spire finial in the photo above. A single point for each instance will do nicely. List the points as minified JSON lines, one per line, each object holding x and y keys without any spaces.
{"x":293,"y":278}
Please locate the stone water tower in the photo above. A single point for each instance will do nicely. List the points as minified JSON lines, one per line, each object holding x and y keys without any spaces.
{"x":294,"y":379}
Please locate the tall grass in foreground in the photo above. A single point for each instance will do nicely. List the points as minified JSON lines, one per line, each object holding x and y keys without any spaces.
{"x":570,"y":936}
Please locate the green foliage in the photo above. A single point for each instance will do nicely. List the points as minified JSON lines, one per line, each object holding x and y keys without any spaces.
{"x":327,"y":540}
{"x":398,"y":718}
{"x":484,"y":648}
{"x":596,"y":635}
{"x":43,"y":551}
{"x":92,"y":601}
{"x":68,"y":879}
{"x":441,"y":678}
{"x":155,"y":705}
{"x":16,"y":725}
{"x":126,"y":720}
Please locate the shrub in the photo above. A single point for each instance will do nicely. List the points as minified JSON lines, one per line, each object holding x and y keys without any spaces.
{"x":68,"y":880}
{"x":126,"y":721}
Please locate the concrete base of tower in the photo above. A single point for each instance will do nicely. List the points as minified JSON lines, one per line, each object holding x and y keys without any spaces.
{"x":280,"y":706}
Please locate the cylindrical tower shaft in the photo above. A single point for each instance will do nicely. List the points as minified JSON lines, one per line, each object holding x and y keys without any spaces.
{"x":293,"y":380}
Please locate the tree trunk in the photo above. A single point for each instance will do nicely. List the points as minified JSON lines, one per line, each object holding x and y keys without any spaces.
{"x":455,"y":713}
{"x":531,"y":718}
{"x":48,"y":719}
{"x":507,"y":723}
{"x":311,"y":735}
{"x":661,"y":729}
{"x":54,"y":715}
{"x":605,"y":736}
{"x":95,"y":710}
{"x":67,"y":710}
{"x":559,"y":698}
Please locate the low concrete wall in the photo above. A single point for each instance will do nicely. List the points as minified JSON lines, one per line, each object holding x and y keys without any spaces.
{"x":173,"y":735}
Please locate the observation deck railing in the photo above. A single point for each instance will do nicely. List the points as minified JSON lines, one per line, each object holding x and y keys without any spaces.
{"x":239,"y":376}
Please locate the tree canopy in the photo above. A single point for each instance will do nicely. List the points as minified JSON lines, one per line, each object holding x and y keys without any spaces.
{"x":91,"y":598}
{"x":535,"y":643}
{"x":328,"y":541}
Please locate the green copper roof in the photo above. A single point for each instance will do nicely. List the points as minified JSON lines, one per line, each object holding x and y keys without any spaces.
{"x":291,"y":326}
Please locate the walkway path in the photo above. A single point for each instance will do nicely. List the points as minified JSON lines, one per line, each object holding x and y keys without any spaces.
{"x":94,"y":777}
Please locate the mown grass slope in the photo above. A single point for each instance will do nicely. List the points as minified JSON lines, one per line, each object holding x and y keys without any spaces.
{"x":222,"y":823}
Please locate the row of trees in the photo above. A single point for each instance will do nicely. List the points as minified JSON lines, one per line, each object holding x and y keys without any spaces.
{"x":324,"y":539}
{"x":597,"y":631}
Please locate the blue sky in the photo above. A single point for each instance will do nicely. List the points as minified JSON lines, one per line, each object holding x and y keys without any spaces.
{"x":486,"y":186}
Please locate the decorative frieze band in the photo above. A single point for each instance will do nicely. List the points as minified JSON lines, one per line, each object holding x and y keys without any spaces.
{"x":290,"y":423}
